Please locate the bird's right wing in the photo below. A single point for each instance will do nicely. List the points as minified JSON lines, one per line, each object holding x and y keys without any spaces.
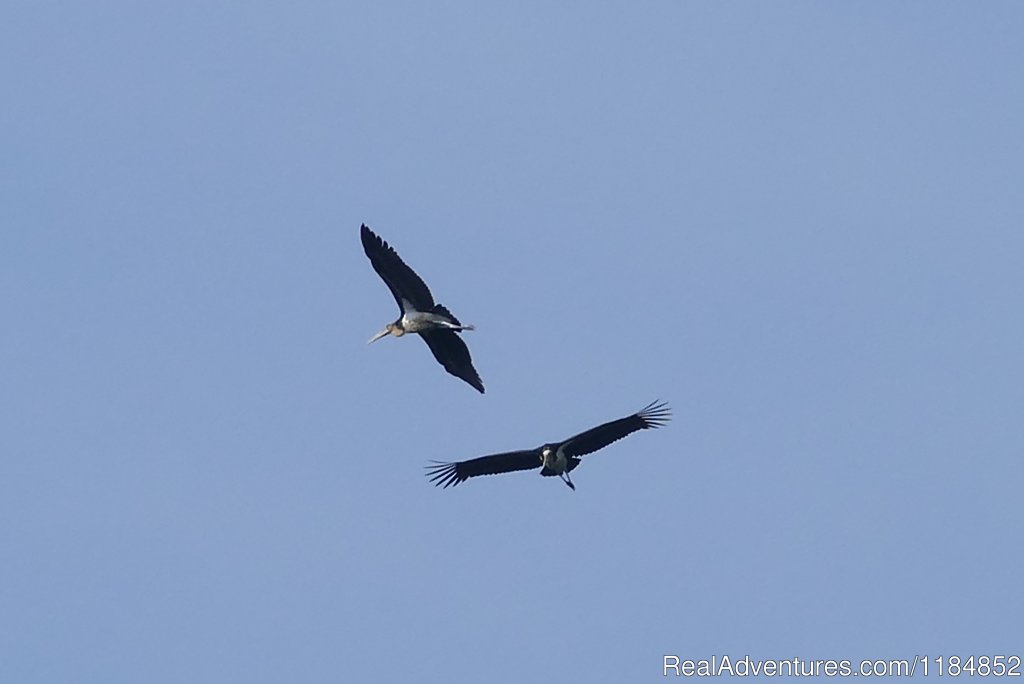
{"x":400,"y":279}
{"x":447,"y":474}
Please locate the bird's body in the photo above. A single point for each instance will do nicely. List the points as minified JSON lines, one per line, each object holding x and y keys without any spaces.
{"x":555,"y":458}
{"x":413,"y":321}
{"x":437,"y":325}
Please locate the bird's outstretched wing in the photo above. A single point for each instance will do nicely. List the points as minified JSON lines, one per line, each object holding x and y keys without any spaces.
{"x":447,"y":474}
{"x":654,"y":415}
{"x":452,"y":353}
{"x":400,"y":279}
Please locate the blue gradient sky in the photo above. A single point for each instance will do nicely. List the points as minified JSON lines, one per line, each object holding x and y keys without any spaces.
{"x":800,"y":224}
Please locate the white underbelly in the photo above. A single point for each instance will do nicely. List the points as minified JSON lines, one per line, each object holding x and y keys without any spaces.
{"x":414,"y":321}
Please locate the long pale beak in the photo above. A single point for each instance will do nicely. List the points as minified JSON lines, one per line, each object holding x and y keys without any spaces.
{"x":382,"y":333}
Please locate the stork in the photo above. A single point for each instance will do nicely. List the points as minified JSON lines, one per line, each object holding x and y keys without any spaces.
{"x":555,"y":458}
{"x":437,"y":325}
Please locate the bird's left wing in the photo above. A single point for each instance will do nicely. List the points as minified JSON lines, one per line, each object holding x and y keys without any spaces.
{"x":452,"y":353}
{"x":448,"y":474}
{"x":654,"y":415}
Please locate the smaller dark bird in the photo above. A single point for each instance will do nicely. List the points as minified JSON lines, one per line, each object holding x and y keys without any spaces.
{"x":437,"y":325}
{"x":556,"y":458}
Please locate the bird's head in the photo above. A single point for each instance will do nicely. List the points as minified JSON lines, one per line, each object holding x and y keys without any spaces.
{"x":389,"y":329}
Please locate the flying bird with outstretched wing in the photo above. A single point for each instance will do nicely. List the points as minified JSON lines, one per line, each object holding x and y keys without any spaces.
{"x":555,"y":458}
{"x":438,"y":327}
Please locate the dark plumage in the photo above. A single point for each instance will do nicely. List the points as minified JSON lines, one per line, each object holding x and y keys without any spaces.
{"x":438,"y":327}
{"x":556,"y":458}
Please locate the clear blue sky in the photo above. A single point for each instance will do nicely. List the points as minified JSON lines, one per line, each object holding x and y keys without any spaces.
{"x":802,"y":224}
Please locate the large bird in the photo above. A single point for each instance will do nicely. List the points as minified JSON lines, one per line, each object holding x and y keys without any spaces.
{"x":556,"y":458}
{"x":438,"y":327}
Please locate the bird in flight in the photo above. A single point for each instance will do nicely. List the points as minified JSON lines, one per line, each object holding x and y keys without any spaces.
{"x":556,"y":458}
{"x":438,"y":327}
